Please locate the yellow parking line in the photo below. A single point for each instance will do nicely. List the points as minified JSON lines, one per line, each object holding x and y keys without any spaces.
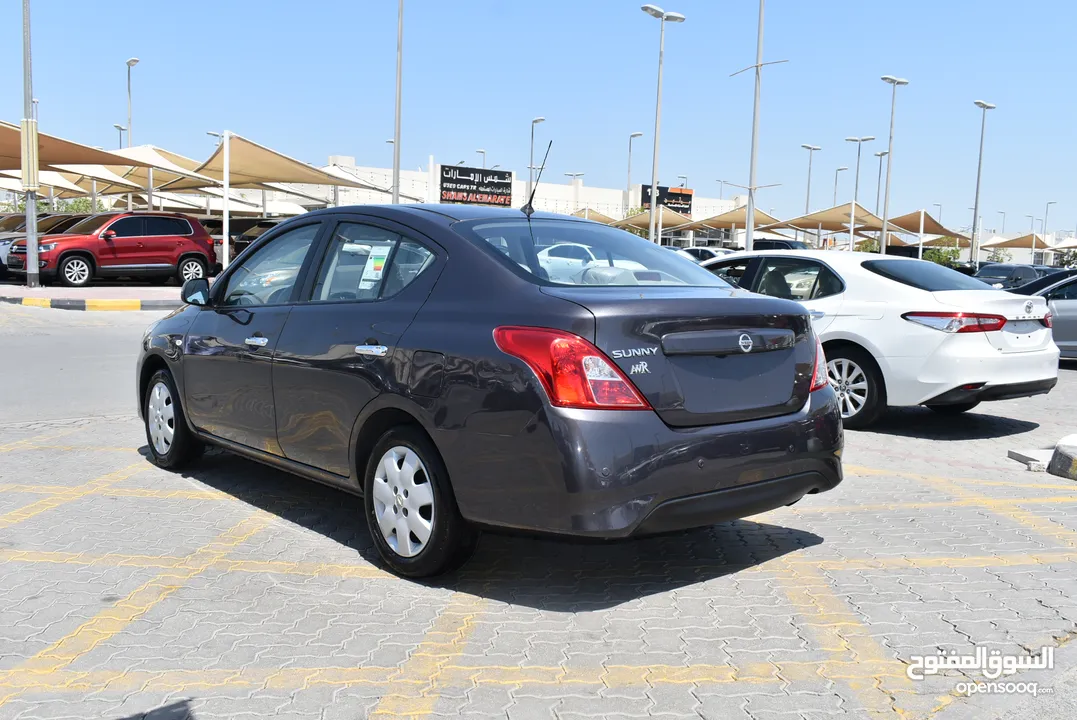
{"x":811,"y":509}
{"x":861,"y":471}
{"x":72,"y":494}
{"x":416,"y":689}
{"x":28,"y":442}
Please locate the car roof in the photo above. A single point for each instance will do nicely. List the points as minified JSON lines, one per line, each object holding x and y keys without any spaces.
{"x":836,"y":258}
{"x":455,"y":212}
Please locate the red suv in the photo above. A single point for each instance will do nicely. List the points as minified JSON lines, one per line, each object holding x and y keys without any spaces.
{"x":154,"y":245}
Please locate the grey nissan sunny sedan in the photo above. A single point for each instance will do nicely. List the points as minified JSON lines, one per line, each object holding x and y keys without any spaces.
{"x":466,"y":367}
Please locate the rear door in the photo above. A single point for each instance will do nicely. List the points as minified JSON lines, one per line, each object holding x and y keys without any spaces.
{"x":809,"y":282}
{"x":127,"y":247}
{"x":339,"y":347}
{"x":738,"y":272}
{"x":1024,"y":330}
{"x":164,"y":236}
{"x":1062,"y":302}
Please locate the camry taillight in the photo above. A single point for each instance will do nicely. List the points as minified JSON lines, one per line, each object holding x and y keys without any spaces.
{"x":574,"y":373}
{"x":1046,"y":320}
{"x":957,"y":322}
{"x":819,"y":377}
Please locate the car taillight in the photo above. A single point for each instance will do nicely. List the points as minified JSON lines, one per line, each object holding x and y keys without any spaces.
{"x":574,"y":373}
{"x":819,"y":378}
{"x":957,"y":322}
{"x":1046,"y":320}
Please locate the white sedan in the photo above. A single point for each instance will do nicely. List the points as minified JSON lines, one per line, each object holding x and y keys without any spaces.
{"x":565,"y":261}
{"x":899,"y":331}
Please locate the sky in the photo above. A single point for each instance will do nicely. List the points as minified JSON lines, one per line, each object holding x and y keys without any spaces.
{"x":316,"y":79}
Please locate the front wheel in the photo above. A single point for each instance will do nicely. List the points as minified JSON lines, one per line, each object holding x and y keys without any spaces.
{"x":856,"y":379}
{"x":955,"y":408}
{"x":76,"y":271}
{"x":172,"y":444}
{"x":410,"y":508}
{"x":190,"y":269}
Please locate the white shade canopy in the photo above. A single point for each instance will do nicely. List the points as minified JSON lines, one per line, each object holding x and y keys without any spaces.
{"x":51,"y":151}
{"x":47,"y":178}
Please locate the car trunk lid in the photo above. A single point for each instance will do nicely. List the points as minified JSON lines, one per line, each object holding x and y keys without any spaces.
{"x":1024,"y":330}
{"x":704,"y":356}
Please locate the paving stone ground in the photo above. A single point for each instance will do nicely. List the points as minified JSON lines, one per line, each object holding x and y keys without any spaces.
{"x":236,"y":591}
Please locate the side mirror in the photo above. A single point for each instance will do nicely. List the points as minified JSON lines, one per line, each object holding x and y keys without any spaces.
{"x":196,"y":292}
{"x":108,"y":234}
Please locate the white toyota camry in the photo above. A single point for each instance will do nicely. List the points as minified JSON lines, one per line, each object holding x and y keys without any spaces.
{"x":898,"y":331}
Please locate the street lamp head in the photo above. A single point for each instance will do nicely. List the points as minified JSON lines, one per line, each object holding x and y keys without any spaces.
{"x":653,"y":11}
{"x":390,"y":141}
{"x":460,"y":163}
{"x":119,"y":127}
{"x":480,"y":150}
{"x":208,"y":132}
{"x":811,"y":147}
{"x":882,"y":153}
{"x":984,"y":105}
{"x":132,"y":62}
{"x":674,"y":17}
{"x":636,"y":135}
{"x":537,"y":120}
{"x":842,"y":168}
{"x":894,"y":80}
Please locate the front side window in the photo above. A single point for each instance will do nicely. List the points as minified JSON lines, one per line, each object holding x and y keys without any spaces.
{"x":364,"y":262}
{"x":731,"y":271}
{"x":600,"y":255}
{"x":269,"y":275}
{"x":167,"y":226}
{"x":1066,"y":292}
{"x":127,"y":227}
{"x":796,"y":279}
{"x":924,"y":275}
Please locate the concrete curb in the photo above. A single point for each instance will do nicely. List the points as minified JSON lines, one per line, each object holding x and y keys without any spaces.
{"x":1064,"y":459}
{"x":93,"y":304}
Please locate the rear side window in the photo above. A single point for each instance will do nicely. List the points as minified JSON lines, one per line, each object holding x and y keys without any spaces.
{"x":1066,"y":292}
{"x":924,"y":275}
{"x":364,"y":262}
{"x":127,"y":227}
{"x":167,"y":226}
{"x":797,"y":279}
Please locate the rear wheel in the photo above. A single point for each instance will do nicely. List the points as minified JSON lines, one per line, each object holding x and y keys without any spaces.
{"x":76,"y":271}
{"x":410,"y":508}
{"x":172,"y":444}
{"x":954,"y":409}
{"x":856,"y":379}
{"x":190,"y":269}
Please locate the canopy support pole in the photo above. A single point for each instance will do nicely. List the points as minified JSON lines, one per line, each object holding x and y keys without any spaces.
{"x":264,"y":213}
{"x":336,"y":196}
{"x":149,"y":189}
{"x":226,"y":141}
{"x":819,"y":236}
{"x":52,"y":206}
{"x":852,"y":212}
{"x":658,"y":238}
{"x":733,"y":236}
{"x":921,"y":255}
{"x":93,"y":196}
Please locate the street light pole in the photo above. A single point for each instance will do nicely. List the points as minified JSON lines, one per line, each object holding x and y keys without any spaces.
{"x":895,"y":82}
{"x":984,"y":107}
{"x":939,"y":206}
{"x":856,"y":185}
{"x":807,"y":195}
{"x":685,"y":179}
{"x":836,"y":184}
{"x":1003,"y":214}
{"x":663,"y":16}
{"x":130,"y":64}
{"x":879,"y":181}
{"x":1046,"y":210}
{"x":628,"y":185}
{"x":721,"y":189}
{"x":531,"y":157}
{"x":482,"y":152}
{"x":575,"y":190}
{"x":120,"y":129}
{"x":399,"y":84}
{"x":29,"y":153}
{"x":750,"y":219}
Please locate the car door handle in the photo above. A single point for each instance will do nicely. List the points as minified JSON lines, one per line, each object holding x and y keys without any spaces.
{"x":256,"y":341}
{"x":371,"y":350}
{"x":816,"y":314}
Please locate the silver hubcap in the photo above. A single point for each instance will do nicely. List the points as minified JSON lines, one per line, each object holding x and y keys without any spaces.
{"x":850,"y":383}
{"x":77,"y":271}
{"x":191,"y":270}
{"x":403,"y":501}
{"x":161,"y":418}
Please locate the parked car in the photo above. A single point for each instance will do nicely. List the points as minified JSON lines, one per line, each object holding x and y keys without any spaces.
{"x":156,"y":245}
{"x":768,"y":244}
{"x":254,"y":232}
{"x":569,"y":262}
{"x":1031,"y":288}
{"x":11,"y":221}
{"x":901,"y":331}
{"x":236,"y":227}
{"x":699,"y":254}
{"x":1045,"y":270}
{"x":1062,"y":301}
{"x":346,"y":347}
{"x":49,"y":224}
{"x":1006,"y":275}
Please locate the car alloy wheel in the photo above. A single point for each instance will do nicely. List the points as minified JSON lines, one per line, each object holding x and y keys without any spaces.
{"x":403,"y":501}
{"x":191,"y":270}
{"x":850,"y":383}
{"x":77,"y":271}
{"x":161,"y":418}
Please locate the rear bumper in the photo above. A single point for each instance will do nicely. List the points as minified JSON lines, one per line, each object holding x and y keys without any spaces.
{"x":1007,"y":391}
{"x":614,"y":474}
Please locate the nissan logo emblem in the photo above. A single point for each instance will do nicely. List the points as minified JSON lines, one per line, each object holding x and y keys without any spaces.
{"x":745,"y":342}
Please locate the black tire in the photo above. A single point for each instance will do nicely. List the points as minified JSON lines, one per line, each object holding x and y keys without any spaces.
{"x":875,"y":401}
{"x":451,"y":539}
{"x":955,"y":408}
{"x":75,"y":271}
{"x":184,"y":448}
{"x":191,"y":267}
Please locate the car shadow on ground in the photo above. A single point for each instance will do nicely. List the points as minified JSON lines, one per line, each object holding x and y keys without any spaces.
{"x":562,"y":575}
{"x":180,"y":710}
{"x":981,"y":423}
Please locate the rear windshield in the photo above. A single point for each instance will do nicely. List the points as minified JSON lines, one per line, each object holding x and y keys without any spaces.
{"x":11,"y":222}
{"x":995,"y":271}
{"x":90,"y":224}
{"x":924,"y":275}
{"x":564,"y":252}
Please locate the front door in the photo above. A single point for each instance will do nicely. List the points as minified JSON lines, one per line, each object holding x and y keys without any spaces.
{"x":227,"y":370}
{"x":126,"y":247}
{"x":340,"y":348}
{"x":1062,"y":302}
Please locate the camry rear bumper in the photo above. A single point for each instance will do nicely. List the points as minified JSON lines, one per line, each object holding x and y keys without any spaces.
{"x":612,"y":474}
{"x":1006,"y":391}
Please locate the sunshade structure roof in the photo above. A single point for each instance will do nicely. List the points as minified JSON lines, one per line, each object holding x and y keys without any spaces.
{"x":642,"y":221}
{"x":51,"y":151}
{"x":254,"y":165}
{"x":1068,"y":245}
{"x":595,"y":215}
{"x":167,"y":167}
{"x":84,"y":176}
{"x":948,"y":241}
{"x":835,"y":219}
{"x":910,"y":223}
{"x":733,"y":219}
{"x":48,"y":178}
{"x":892,"y":240}
{"x":1031,"y":241}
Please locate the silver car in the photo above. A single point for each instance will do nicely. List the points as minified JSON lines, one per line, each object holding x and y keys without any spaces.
{"x":1062,"y":301}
